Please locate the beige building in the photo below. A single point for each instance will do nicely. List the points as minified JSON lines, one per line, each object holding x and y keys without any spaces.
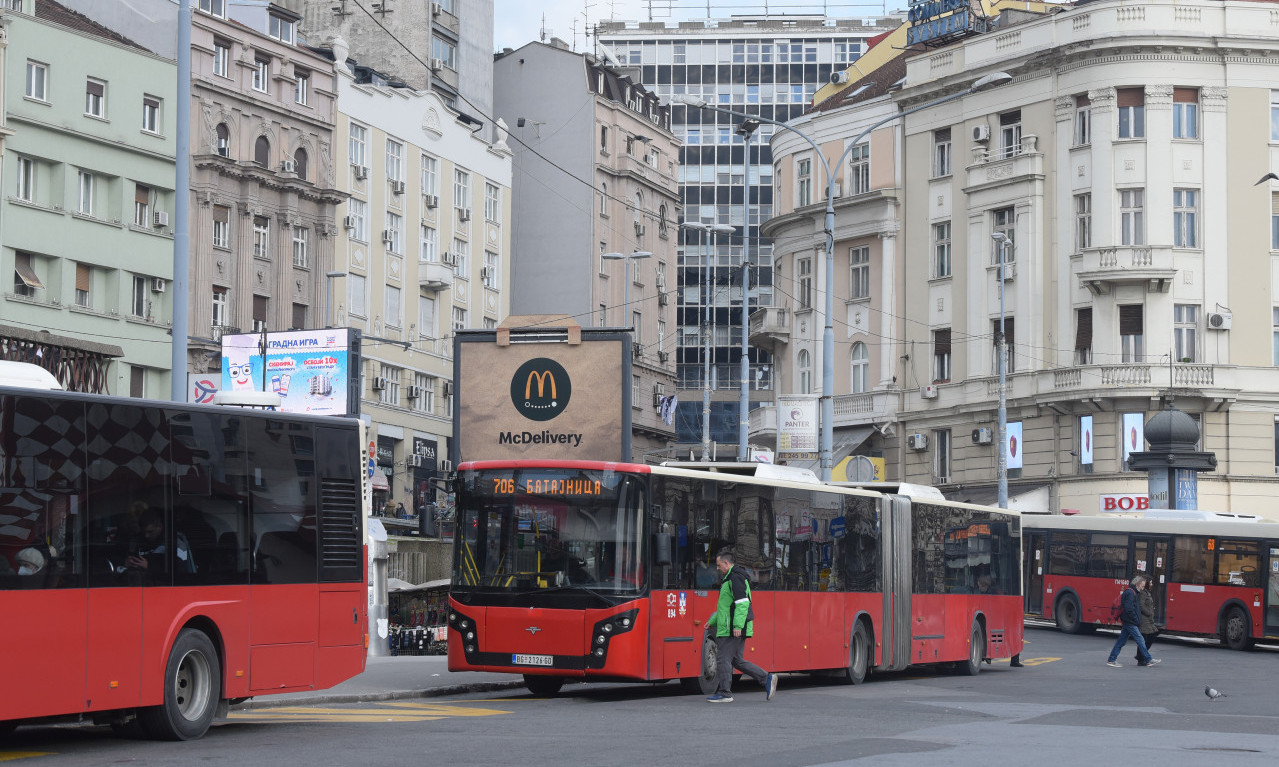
{"x":1121,"y":164}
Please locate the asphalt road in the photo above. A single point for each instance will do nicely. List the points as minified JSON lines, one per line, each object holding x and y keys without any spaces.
{"x":1066,"y":707}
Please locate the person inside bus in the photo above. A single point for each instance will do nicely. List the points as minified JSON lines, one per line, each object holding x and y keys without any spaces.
{"x":30,"y":561}
{"x":151,"y":553}
{"x":1131,"y":626}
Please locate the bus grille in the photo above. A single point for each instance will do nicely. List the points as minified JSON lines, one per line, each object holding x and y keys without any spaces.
{"x":341,"y":558}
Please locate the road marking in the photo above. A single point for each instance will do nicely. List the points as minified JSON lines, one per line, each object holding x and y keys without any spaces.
{"x":399,"y":711}
{"x":1028,"y":661}
{"x":9,"y":756}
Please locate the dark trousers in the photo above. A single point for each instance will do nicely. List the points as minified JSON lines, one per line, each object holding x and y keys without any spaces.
{"x":1149,"y":639}
{"x":729,"y":651}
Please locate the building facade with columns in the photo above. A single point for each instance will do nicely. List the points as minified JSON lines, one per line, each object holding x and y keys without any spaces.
{"x":1122,"y":165}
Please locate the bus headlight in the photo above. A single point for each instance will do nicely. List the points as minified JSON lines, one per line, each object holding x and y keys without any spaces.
{"x":470,"y":635}
{"x":600,"y":639}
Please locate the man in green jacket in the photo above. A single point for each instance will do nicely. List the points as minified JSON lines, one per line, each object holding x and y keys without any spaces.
{"x":732,"y":622}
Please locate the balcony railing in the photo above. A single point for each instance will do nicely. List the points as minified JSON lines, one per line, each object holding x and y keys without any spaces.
{"x":434,"y":275}
{"x":770,"y":327}
{"x":1100,"y":269}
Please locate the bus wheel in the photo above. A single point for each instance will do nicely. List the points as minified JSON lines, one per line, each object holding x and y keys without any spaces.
{"x":858,"y":655}
{"x":192,"y":686}
{"x":1068,"y":613}
{"x":1235,"y":630}
{"x":708,"y":681}
{"x":543,"y":686}
{"x":976,"y":652}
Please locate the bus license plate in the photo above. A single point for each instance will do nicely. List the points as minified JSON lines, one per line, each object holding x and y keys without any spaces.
{"x":532,"y":660}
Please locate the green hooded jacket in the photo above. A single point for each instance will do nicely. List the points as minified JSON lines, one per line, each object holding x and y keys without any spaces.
{"x":734,"y":608}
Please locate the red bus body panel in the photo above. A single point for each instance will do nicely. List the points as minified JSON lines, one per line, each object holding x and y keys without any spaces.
{"x":1190,"y":608}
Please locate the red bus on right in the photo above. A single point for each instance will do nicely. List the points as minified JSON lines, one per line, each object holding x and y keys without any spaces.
{"x":1216,"y":575}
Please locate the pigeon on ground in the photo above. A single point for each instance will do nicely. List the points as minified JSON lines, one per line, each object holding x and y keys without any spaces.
{"x":1267,"y":177}
{"x":1214,"y":694}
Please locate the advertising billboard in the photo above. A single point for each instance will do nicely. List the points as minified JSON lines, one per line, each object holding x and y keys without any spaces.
{"x":544,"y":398}
{"x":796,"y":427}
{"x":313,"y":371}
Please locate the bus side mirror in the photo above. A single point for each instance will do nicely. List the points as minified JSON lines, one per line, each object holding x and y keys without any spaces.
{"x":662,"y":548}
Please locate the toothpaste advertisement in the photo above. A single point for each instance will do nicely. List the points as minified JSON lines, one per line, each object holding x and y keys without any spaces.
{"x":307,"y":368}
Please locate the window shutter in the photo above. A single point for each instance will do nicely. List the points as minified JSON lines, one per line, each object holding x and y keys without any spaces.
{"x":1274,"y":203}
{"x":221,"y":214}
{"x":1082,"y":101}
{"x":941,"y":342}
{"x":1010,"y":118}
{"x":1083,"y":329}
{"x":942,"y":135}
{"x":22,"y":264}
{"x":142,"y":195}
{"x":259,"y":308}
{"x":94,"y":88}
{"x":1130,"y":320}
{"x":82,"y":277}
{"x":1185,"y":95}
{"x":1130,"y":97}
{"x":153,"y":103}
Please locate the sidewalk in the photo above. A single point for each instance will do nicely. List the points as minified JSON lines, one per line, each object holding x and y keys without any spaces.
{"x":394,"y":678}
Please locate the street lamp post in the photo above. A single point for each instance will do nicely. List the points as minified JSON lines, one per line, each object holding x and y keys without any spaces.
{"x":1001,"y":474}
{"x":746,"y":130}
{"x":828,"y":336}
{"x":626,"y":278}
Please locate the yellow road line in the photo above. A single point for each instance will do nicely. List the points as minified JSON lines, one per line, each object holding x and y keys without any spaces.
{"x":9,"y":756}
{"x":401,"y":711}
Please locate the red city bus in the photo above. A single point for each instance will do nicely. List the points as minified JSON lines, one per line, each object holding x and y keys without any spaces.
{"x":592,"y":571}
{"x":1216,"y":576}
{"x":160,"y":560}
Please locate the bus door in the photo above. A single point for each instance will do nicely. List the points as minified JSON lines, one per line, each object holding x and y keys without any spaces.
{"x":1272,"y":589}
{"x":1035,"y":554}
{"x":1150,"y":557}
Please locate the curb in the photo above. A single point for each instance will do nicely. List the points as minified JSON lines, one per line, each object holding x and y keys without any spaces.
{"x":275,"y":701}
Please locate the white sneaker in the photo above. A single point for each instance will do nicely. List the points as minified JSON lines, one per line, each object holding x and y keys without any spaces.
{"x":1114,"y":664}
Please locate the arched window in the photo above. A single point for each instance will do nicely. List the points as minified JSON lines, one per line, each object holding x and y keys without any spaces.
{"x":860,"y":369}
{"x":661,"y":219}
{"x":224,"y":140}
{"x":603,"y":139}
{"x":805,"y":372}
{"x":262,"y":152}
{"x":603,"y":198}
{"x":299,"y":163}
{"x":639,"y":207}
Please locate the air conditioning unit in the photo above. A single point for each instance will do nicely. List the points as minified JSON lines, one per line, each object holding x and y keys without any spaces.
{"x":1219,"y":320}
{"x":414,"y":461}
{"x":464,"y":214}
{"x":983,"y":436}
{"x":663,"y":299}
{"x":838,"y":78}
{"x":445,"y":466}
{"x":981,"y":133}
{"x":397,"y":186}
{"x":639,"y":229}
{"x":663,"y":356}
{"x":448,"y":258}
{"x":485,"y":272}
{"x":161,"y":218}
{"x":386,"y":236}
{"x":157,"y":284}
{"x":917,"y":441}
{"x":361,"y":172}
{"x":928,"y":391}
{"x":437,"y":64}
{"x":839,"y":191}
{"x":661,"y":281}
{"x":432,"y":200}
{"x":1010,"y":271}
{"x":287,"y":166}
{"x":379,"y":383}
{"x":448,"y":388}
{"x":415,"y":392}
{"x":348,"y":222}
{"x":436,"y":9}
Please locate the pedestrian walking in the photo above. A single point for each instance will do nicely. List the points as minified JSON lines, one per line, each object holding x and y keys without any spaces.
{"x":1148,"y":628}
{"x":732,"y":623}
{"x":1130,"y":626}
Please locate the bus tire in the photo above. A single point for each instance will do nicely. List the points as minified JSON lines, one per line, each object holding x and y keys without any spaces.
{"x":1069,"y":616}
{"x":543,"y":686}
{"x":708,"y":681}
{"x":858,"y":655}
{"x":192,"y":687}
{"x":1236,"y":629}
{"x":976,"y":652}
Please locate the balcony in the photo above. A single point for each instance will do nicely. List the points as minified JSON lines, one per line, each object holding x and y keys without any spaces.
{"x":1101,"y":269}
{"x":865,"y":409}
{"x":770,"y":327}
{"x":434,"y":275}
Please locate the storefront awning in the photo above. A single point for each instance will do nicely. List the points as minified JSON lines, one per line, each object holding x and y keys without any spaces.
{"x":379,"y":481}
{"x":1031,"y":497}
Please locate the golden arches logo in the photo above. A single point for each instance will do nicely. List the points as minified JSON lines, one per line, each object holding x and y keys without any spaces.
{"x":541,"y":379}
{"x":540,"y":389}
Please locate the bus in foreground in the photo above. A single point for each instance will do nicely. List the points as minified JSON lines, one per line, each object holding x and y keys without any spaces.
{"x":159,"y":561}
{"x":1216,"y":576}
{"x":591,"y":571}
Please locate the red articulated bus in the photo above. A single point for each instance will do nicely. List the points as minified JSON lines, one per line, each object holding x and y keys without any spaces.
{"x":592,"y":571}
{"x":161,"y":560}
{"x":1214,"y":576}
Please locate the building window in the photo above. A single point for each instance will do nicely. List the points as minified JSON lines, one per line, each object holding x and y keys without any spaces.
{"x":151,"y":114}
{"x":1185,"y":218}
{"x":25,"y":280}
{"x":430,"y":175}
{"x":358,"y":211}
{"x":262,"y":152}
{"x":214,"y":7}
{"x":804,"y":274}
{"x":804,"y":182}
{"x":390,"y":378}
{"x":141,"y":205}
{"x":1010,"y":356}
{"x":1083,"y":222}
{"x":637,"y":327}
{"x":83,"y":280}
{"x":138,"y":304}
{"x":1010,"y":134}
{"x":429,"y":246}
{"x":391,"y":306}
{"x":1132,"y":225}
{"x":37,"y":80}
{"x":1274,"y":115}
{"x":859,"y":170}
{"x":137,"y":381}
{"x":603,"y":316}
{"x":604,"y":199}
{"x":425,"y":401}
{"x":221,"y":226}
{"x":1132,"y":112}
{"x":221,"y":58}
{"x":301,"y":87}
{"x":425,"y":317}
{"x":604,"y":140}
{"x":941,"y":152}
{"x":261,"y":237}
{"x":95,"y":98}
{"x":1274,"y":220}
{"x":860,"y":368}
{"x":1004,"y":221}
{"x":299,"y":247}
{"x":1185,"y":332}
{"x":941,"y":249}
{"x":492,"y":202}
{"x":941,"y":355}
{"x":357,"y":294}
{"x":1131,"y":324}
{"x":300,"y":163}
{"x":461,"y":189}
{"x":260,"y":313}
{"x":394,"y":160}
{"x":224,"y":140}
{"x":859,"y":272}
{"x":357,"y":144}
{"x":26,"y":179}
{"x":490,"y":276}
{"x":459,"y":318}
{"x":445,"y":52}
{"x":1185,"y":113}
{"x":219,"y":306}
{"x":283,"y":29}
{"x":1083,"y":336}
{"x":84,"y":202}
{"x":462,"y":257}
{"x":261,"y":74}
{"x":941,"y":455}
{"x":1083,"y":120}
{"x":394,"y":233}
{"x":299,"y":317}
{"x":803,"y":362}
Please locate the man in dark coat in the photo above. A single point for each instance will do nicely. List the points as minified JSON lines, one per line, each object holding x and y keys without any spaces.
{"x":1131,"y":626}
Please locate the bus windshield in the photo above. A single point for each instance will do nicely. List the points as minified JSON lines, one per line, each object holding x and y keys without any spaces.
{"x":530,"y":530}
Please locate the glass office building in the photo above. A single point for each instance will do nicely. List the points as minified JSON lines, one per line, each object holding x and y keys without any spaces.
{"x":768,"y":66}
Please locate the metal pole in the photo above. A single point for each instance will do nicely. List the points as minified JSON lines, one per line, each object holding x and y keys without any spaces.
{"x":744,"y":405}
{"x":1002,"y":470}
{"x":328,"y":298}
{"x":706,"y":352}
{"x":182,"y":211}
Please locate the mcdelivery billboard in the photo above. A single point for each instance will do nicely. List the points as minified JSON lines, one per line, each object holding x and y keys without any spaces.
{"x":561,"y":396}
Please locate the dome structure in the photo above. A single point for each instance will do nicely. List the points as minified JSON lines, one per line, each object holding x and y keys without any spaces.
{"x":1172,"y":431}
